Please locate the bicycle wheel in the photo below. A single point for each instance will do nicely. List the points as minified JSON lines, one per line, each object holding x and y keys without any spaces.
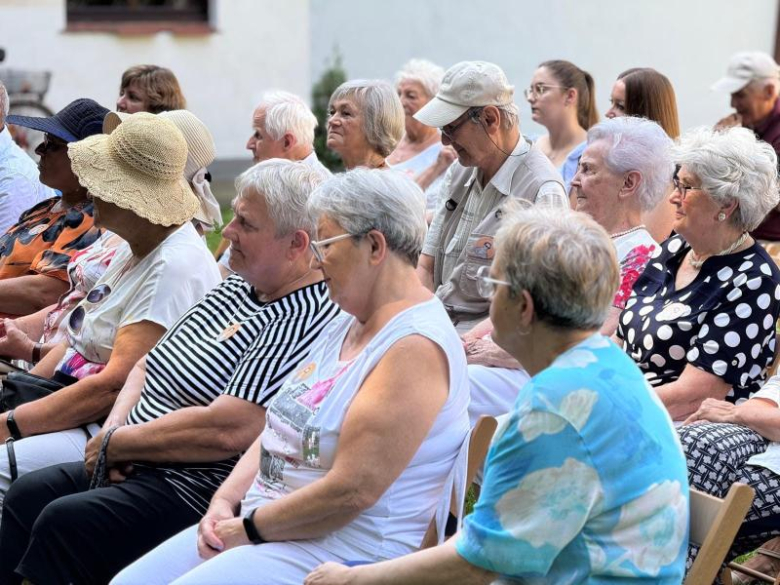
{"x":27,"y":138}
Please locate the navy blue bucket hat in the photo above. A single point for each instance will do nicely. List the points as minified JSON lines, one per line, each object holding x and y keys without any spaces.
{"x":76,"y":121}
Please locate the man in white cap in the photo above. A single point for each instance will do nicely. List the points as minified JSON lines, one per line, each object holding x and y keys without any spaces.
{"x":476,"y":113}
{"x":20,"y":188}
{"x":475,"y":110}
{"x":753,"y":80}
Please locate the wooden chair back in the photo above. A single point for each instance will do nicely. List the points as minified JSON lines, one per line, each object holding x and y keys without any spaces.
{"x":479,"y":443}
{"x":714,"y":523}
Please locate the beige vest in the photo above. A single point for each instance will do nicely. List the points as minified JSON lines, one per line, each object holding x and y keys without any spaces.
{"x":459,"y":293}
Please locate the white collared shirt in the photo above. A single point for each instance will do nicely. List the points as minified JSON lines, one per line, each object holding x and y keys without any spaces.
{"x":20,"y":188}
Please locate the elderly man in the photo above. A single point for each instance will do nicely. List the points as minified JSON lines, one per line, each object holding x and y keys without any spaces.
{"x":283,"y":128}
{"x":20,"y":188}
{"x":753,"y":80}
{"x":477,"y":116}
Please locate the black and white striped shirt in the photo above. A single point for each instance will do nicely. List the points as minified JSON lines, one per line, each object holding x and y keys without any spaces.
{"x":194,"y":364}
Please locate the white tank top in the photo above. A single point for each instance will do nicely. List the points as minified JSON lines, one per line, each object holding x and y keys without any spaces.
{"x":304,"y":421}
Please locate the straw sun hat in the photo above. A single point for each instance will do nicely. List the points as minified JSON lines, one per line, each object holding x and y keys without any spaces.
{"x":138,"y":167}
{"x":200,"y":154}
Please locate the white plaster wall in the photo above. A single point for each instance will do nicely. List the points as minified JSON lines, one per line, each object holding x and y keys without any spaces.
{"x":258,"y":45}
{"x":690,"y":41}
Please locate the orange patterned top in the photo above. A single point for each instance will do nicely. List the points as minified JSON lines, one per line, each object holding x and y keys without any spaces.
{"x":45,"y":238}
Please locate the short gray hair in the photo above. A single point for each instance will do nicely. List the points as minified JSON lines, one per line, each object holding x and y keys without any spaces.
{"x":637,"y":144}
{"x":383,"y":115}
{"x":422,"y":71}
{"x":286,"y":112}
{"x":285,"y":186}
{"x":5,"y":104}
{"x":510,"y":115}
{"x":362,"y":200}
{"x":564,"y":259}
{"x":732,"y":165}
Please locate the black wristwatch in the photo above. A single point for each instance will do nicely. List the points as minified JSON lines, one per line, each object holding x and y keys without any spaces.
{"x":13,"y":428}
{"x":251,"y":530}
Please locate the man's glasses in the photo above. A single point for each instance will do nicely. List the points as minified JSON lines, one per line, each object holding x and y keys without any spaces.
{"x":486,"y":285}
{"x":539,"y":89}
{"x":449,"y":130}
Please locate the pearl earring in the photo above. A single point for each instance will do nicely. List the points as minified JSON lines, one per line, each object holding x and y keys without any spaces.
{"x":721,"y":216}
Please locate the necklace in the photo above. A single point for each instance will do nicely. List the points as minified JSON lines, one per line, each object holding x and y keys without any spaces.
{"x":697,"y":262}
{"x":628,"y":231}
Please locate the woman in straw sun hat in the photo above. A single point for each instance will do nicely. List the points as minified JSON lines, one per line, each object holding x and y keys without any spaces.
{"x":18,"y":337}
{"x":135,"y":177}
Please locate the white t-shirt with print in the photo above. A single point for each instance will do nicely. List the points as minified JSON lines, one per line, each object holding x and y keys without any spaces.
{"x":160,"y":288}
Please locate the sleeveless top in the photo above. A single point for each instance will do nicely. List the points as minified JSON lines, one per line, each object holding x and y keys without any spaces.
{"x":303,"y":425}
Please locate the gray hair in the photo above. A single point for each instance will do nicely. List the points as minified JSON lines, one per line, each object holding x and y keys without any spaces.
{"x":510,"y":116}
{"x":286,"y":112}
{"x":362,"y":200}
{"x":732,"y":165}
{"x":541,"y":249}
{"x":383,"y":115}
{"x":637,"y":144}
{"x":5,"y":104}
{"x":286,"y":187}
{"x":422,"y":71}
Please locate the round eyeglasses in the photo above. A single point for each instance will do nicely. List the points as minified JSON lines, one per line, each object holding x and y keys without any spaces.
{"x":486,"y":285}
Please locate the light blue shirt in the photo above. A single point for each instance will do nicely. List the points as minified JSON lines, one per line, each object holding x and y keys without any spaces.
{"x":569,"y":167}
{"x":20,"y":188}
{"x":587,"y":482}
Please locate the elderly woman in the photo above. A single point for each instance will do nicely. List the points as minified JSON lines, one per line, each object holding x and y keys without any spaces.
{"x":312,"y":488}
{"x":700,"y":322}
{"x":34,"y":253}
{"x":645,"y":93}
{"x":365,"y":123}
{"x":191,"y":406}
{"x":149,"y":88}
{"x":625,"y":170}
{"x":420,"y":153}
{"x":725,"y":443}
{"x":563,"y":100}
{"x":148,"y":285}
{"x":585,"y":482}
{"x":42,"y":331}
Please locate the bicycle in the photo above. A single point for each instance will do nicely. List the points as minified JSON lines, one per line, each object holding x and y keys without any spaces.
{"x":26,"y":90}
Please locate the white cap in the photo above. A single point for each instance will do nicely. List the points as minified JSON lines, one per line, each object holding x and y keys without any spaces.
{"x":745,"y":67}
{"x":467,"y":84}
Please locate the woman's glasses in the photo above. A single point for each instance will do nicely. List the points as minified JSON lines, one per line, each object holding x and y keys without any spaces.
{"x":97,"y":294}
{"x":486,"y":285}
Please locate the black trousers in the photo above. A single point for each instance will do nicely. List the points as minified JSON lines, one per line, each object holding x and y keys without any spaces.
{"x":55,"y":530}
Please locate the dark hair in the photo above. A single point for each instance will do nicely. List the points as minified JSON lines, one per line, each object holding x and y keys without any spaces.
{"x":650,"y":95}
{"x":159,"y":84}
{"x":570,"y":76}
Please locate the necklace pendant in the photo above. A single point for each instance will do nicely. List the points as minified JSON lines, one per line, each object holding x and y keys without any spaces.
{"x":229,"y":331}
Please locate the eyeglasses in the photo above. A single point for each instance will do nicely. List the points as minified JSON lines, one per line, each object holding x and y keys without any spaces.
{"x":449,"y":130}
{"x":51,"y":144}
{"x":683,"y":189}
{"x":486,"y":285}
{"x":318,"y":247}
{"x":539,"y":89}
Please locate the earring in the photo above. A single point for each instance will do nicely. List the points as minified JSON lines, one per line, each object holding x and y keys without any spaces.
{"x":721,"y":216}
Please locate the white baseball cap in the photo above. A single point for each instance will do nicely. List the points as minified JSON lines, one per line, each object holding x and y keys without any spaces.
{"x":745,"y":67}
{"x":467,"y":84}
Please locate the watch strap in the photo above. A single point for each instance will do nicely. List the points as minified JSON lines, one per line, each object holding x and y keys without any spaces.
{"x":13,"y":428}
{"x":251,"y":530}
